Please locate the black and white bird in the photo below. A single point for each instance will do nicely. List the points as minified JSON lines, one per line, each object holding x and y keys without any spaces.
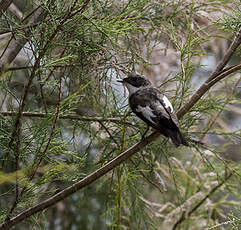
{"x":153,"y":107}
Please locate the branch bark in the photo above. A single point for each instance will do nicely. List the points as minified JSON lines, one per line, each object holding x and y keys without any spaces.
{"x":69,"y":117}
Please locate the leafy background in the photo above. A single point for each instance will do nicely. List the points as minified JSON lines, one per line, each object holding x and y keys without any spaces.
{"x":63,"y":114}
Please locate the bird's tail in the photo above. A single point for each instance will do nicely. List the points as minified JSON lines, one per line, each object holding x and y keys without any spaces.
{"x":177,"y":137}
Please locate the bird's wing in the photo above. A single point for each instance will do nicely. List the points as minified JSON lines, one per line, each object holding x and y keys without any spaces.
{"x":164,"y":104}
{"x":153,"y":108}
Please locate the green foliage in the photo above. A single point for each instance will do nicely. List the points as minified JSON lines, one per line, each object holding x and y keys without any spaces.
{"x":66,"y":131}
{"x":232,"y":22}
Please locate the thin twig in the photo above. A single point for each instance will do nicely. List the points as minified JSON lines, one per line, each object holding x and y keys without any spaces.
{"x":8,"y":32}
{"x":51,"y":73}
{"x":146,"y":177}
{"x":110,"y":135}
{"x":213,"y":120}
{"x":70,"y":117}
{"x":182,"y":83}
{"x":52,"y":128}
{"x":213,"y":190}
{"x":216,"y":76}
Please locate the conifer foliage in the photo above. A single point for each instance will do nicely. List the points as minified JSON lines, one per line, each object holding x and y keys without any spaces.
{"x":72,"y":154}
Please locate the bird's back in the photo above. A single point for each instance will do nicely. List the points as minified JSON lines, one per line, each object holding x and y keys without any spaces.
{"x":156,"y":110}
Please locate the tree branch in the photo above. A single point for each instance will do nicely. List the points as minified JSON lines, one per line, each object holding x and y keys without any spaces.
{"x":70,"y":117}
{"x":15,"y":68}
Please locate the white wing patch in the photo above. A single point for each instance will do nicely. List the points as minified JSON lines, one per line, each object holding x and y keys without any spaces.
{"x":147,"y":112}
{"x":167,"y":104}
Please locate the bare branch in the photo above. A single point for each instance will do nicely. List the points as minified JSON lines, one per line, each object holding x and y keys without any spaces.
{"x":70,"y":117}
{"x":15,"y":10}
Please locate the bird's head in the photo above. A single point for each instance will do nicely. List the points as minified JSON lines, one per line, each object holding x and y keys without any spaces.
{"x":135,"y":82}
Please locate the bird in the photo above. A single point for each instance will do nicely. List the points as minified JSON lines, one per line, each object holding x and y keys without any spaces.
{"x":154,"y":108}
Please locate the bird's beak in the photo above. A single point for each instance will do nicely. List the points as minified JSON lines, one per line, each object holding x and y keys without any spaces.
{"x":121,"y":81}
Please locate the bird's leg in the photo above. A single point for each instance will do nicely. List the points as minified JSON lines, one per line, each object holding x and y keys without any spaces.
{"x":144,"y":134}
